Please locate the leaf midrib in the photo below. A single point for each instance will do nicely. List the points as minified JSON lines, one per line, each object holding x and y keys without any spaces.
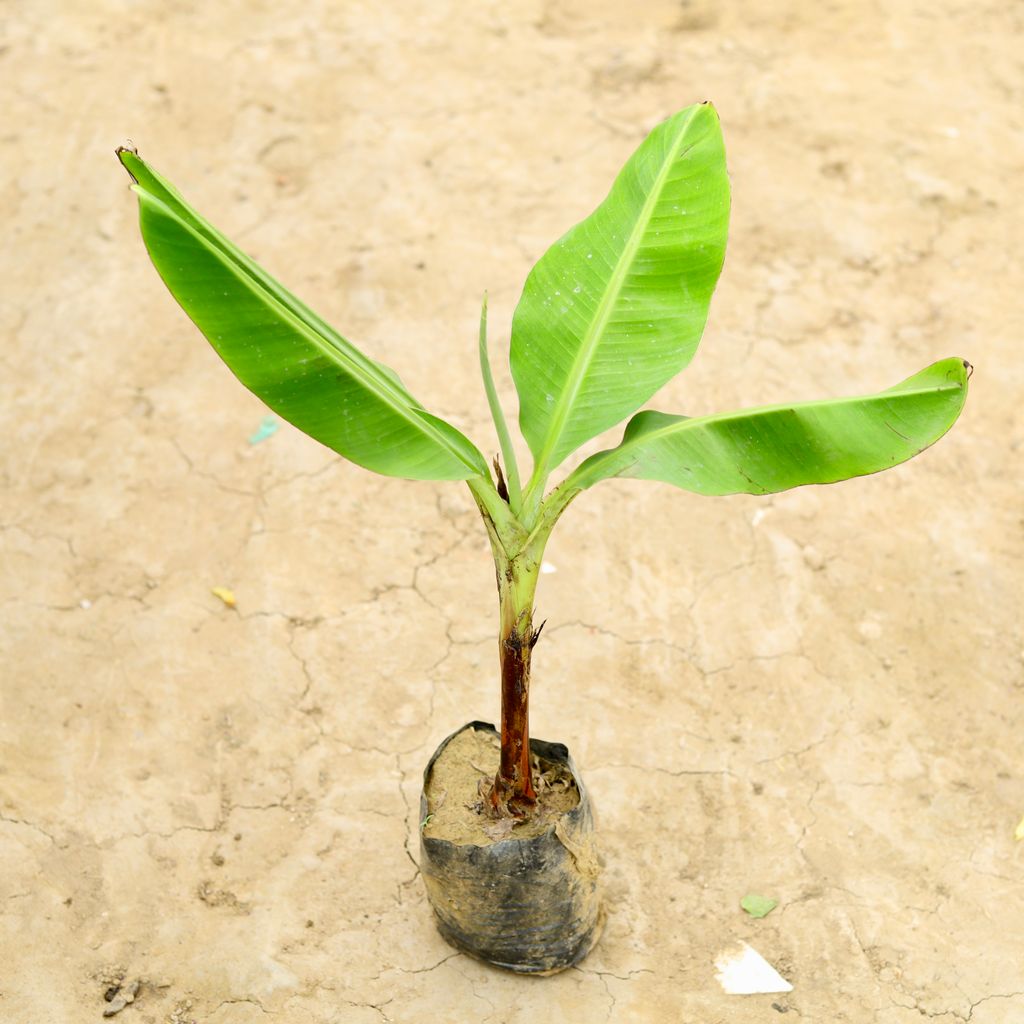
{"x":595,"y":332}
{"x":363,"y":374}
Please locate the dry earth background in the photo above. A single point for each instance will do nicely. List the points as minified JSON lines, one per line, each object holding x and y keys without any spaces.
{"x":815,"y":696}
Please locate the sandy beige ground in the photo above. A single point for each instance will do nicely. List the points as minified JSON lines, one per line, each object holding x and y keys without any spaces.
{"x":816,"y":697}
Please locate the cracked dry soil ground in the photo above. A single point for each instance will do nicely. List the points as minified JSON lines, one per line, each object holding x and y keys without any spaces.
{"x":815,"y":696}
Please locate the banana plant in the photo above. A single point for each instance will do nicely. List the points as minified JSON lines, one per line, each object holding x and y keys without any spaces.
{"x":610,"y":313}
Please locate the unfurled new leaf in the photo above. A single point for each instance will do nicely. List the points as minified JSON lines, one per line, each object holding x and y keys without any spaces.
{"x":616,"y":307}
{"x":286,"y":354}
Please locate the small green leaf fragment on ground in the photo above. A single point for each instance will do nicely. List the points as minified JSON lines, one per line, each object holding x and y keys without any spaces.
{"x":758,"y":906}
{"x":1018,"y":832}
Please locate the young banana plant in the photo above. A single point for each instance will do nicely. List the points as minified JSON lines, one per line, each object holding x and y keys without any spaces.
{"x":610,"y":313}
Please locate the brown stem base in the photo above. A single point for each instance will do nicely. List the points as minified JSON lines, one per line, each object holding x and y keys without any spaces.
{"x":504,"y":802}
{"x":512,"y":795}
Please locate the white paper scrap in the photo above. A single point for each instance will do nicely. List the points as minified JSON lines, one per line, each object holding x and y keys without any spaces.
{"x":742,"y":971}
{"x":547,"y":568}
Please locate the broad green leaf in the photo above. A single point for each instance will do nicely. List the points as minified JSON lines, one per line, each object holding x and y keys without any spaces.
{"x":287,"y":355}
{"x":760,"y":451}
{"x":616,"y":307}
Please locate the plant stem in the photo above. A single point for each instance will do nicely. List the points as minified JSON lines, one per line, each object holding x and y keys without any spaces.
{"x":512,"y":793}
{"x":517,"y":561}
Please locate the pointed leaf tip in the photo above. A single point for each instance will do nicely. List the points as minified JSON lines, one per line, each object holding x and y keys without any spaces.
{"x":129,"y":157}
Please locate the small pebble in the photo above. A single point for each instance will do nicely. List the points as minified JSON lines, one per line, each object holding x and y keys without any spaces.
{"x":123,"y":998}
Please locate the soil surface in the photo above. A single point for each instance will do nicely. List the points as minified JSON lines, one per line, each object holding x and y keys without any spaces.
{"x":456,"y":809}
{"x":815,"y":697}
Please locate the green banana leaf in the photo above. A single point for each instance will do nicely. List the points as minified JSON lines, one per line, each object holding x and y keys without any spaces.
{"x":616,"y":307}
{"x":287,"y":355}
{"x":760,"y":451}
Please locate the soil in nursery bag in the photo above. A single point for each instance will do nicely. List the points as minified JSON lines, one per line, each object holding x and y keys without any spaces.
{"x":519,"y":895}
